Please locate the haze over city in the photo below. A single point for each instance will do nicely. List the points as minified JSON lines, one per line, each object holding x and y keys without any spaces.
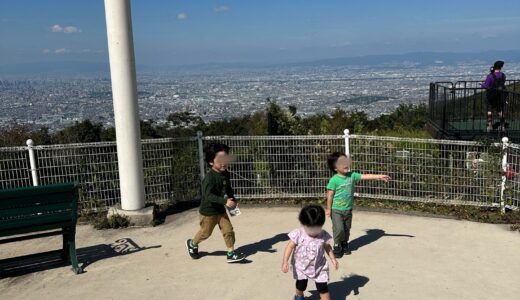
{"x":220,"y":59}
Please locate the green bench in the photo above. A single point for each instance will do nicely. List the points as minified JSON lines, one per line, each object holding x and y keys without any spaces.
{"x":41,"y":211}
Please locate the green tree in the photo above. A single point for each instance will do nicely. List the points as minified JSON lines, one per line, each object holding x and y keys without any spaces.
{"x":281,"y":122}
{"x":185,"y":120}
{"x":80,"y":132}
{"x":17,"y":135}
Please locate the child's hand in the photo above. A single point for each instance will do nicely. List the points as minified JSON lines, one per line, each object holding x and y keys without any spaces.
{"x":327,"y":212}
{"x":385,"y":178}
{"x":285,"y":267}
{"x":335,"y":263}
{"x":231,"y":203}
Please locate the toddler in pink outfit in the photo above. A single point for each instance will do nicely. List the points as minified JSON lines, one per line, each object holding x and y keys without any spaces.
{"x":308,"y":246}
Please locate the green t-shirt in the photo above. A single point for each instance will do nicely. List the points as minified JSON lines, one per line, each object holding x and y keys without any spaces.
{"x":343,"y":187}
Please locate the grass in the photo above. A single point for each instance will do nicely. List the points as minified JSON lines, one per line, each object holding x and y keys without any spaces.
{"x":460,"y":212}
{"x":100,"y":221}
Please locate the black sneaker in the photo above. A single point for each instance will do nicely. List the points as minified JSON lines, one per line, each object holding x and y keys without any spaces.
{"x":346,"y":251}
{"x":235,"y":257}
{"x":192,"y":251}
{"x":338,"y":251}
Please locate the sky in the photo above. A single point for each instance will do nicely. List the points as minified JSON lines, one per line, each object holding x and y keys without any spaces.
{"x":183,"y":32}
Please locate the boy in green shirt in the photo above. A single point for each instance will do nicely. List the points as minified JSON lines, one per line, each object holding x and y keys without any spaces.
{"x":217,"y":195}
{"x":340,"y":198}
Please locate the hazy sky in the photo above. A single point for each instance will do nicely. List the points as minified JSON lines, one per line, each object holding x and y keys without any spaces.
{"x":198,"y":31}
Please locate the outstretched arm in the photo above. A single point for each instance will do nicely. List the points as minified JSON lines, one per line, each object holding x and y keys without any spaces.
{"x":384,"y":178}
{"x":330,"y":253}
{"x":487,"y":82}
{"x":286,"y":255}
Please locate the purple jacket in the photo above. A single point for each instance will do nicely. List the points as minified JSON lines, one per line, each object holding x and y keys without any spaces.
{"x":489,"y":80}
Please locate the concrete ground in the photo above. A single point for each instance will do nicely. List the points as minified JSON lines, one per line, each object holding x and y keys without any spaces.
{"x":395,"y":257}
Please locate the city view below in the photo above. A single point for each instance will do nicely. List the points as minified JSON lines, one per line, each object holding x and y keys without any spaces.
{"x":56,"y":102}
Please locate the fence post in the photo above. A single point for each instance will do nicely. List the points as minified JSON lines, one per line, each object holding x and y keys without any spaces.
{"x":32,"y":162}
{"x":202,"y":166}
{"x":347,"y":141}
{"x":505,"y":144}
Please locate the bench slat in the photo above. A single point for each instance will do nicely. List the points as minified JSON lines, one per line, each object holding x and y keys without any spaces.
{"x":36,"y":220}
{"x":25,"y":201}
{"x":25,"y":230}
{"x":37,"y":190}
{"x":29,"y":237}
{"x":19,"y":213}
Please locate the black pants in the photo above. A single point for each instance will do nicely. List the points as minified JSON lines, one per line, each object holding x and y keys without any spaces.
{"x":322,"y":287}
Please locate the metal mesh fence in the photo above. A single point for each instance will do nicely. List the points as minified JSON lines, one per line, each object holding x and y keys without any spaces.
{"x":14,"y":168}
{"x":512,"y":176}
{"x":280,"y":166}
{"x":424,"y":170}
{"x":421,"y":170}
{"x":454,"y":172}
{"x":93,"y":165}
{"x":170,"y":170}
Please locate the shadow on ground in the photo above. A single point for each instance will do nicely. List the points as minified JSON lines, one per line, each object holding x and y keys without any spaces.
{"x":23,"y":265}
{"x":265,"y":245}
{"x":177,"y":208}
{"x":371,"y":236}
{"x":341,"y":289}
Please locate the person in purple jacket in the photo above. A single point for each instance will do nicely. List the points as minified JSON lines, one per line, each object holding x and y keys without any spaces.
{"x":495,"y":95}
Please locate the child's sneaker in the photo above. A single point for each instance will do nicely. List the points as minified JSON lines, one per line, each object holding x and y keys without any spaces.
{"x":192,"y":250}
{"x":235,"y":257}
{"x":338,"y":251}
{"x":346,"y":250}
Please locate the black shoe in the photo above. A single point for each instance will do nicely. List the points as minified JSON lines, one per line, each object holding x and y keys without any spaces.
{"x":235,"y":257}
{"x":346,"y":251}
{"x":338,"y":251}
{"x":192,"y":251}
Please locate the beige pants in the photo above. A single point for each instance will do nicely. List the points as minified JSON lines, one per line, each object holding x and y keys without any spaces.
{"x":208,"y":223}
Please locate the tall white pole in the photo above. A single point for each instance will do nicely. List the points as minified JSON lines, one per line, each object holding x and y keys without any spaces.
{"x":32,"y":162}
{"x":347,"y":141}
{"x":124,"y":93}
{"x":505,"y":144}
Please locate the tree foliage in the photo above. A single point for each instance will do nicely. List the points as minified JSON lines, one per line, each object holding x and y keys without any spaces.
{"x":406,"y":120}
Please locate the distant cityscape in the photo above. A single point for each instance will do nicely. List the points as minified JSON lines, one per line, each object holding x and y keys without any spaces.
{"x":58,"y":101}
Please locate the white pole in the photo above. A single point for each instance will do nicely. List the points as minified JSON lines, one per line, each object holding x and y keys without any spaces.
{"x":124,"y":93}
{"x":202,"y":165}
{"x":347,"y":142}
{"x":32,"y":162}
{"x":505,"y":144}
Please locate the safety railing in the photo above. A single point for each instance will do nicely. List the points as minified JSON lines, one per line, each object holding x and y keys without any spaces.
{"x":281,"y":167}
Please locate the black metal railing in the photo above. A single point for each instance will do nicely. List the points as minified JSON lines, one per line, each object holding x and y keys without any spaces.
{"x":459,"y":110}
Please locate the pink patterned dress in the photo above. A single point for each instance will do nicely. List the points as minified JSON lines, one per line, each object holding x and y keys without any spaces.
{"x":308,"y":260}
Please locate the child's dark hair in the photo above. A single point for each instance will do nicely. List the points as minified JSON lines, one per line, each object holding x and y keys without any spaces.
{"x":211,"y":150}
{"x":312,"y":215}
{"x":333,"y":159}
